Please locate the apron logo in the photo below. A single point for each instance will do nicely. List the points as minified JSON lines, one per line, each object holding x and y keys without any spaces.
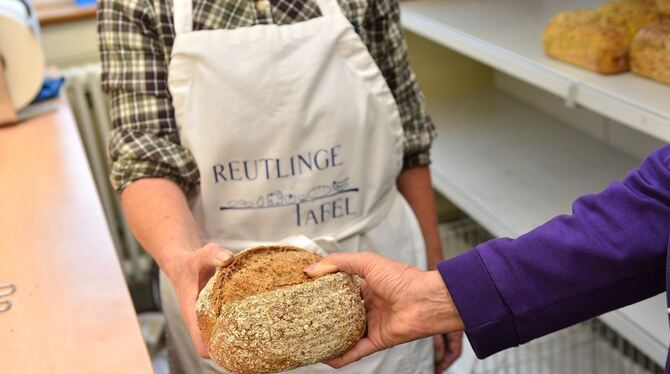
{"x":306,"y":211}
{"x":278,"y":168}
{"x":314,"y":206}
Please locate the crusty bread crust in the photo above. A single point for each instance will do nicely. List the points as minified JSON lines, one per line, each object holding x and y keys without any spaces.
{"x":663,"y":6}
{"x":650,"y":52}
{"x":598,"y":39}
{"x":588,"y":38}
{"x":636,"y":13}
{"x":262,"y":314}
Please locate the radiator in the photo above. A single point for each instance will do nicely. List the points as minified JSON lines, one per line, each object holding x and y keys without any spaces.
{"x":91,"y":111}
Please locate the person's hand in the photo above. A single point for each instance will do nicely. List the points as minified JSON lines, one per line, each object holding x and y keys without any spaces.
{"x":402,"y":302}
{"x":447,"y":349}
{"x":189,"y":272}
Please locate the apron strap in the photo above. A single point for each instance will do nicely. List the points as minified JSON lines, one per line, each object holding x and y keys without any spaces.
{"x":329,"y":7}
{"x":182,"y":15}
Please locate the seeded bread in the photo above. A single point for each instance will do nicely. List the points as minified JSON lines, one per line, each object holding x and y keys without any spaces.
{"x":636,"y":13}
{"x":663,"y":6}
{"x":262,"y":314}
{"x":598,"y":39}
{"x":650,"y":52}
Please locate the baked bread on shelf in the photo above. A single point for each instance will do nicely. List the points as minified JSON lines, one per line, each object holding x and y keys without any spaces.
{"x":663,"y":6}
{"x":588,"y":38}
{"x":650,"y":51}
{"x":636,"y":13}
{"x":598,"y":39}
{"x":262,"y":314}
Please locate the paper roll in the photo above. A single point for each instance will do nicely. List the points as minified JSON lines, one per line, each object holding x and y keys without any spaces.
{"x":21,"y":53}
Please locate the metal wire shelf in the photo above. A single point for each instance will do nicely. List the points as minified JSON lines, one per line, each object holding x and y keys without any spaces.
{"x":460,"y":235}
{"x":590,"y":347}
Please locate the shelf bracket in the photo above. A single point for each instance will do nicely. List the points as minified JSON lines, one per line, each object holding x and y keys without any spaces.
{"x":571,"y":97}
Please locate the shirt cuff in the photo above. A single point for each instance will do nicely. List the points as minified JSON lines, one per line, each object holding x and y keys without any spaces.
{"x":124,"y":172}
{"x":416,"y":159}
{"x":489,"y":323}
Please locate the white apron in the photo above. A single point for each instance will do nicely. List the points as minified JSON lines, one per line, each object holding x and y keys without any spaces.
{"x":298,"y":139}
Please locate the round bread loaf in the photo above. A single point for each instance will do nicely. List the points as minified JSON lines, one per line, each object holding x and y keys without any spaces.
{"x":262,"y":314}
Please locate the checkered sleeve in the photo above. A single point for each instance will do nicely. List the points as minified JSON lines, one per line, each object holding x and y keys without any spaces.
{"x":144,"y":142}
{"x":388,"y":47}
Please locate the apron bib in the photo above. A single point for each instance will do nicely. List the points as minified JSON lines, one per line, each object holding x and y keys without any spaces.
{"x":298,"y":140}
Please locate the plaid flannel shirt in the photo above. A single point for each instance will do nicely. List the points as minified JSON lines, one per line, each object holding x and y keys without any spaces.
{"x":135,"y":41}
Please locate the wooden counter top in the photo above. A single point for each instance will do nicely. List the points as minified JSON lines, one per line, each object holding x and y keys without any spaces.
{"x":71,"y":312}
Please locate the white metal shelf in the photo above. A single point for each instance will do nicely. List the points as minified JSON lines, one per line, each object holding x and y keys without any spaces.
{"x":511,"y":168}
{"x":507,"y":36}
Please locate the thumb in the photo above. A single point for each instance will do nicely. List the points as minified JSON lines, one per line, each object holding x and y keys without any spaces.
{"x":352,"y":263}
{"x":213,"y":254}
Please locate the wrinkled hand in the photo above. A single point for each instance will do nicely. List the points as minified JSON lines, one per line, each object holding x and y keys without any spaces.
{"x":402,"y":302}
{"x":447,"y":349}
{"x":189,"y":272}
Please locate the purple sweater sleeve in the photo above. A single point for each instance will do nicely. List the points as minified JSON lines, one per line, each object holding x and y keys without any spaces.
{"x":609,"y":253}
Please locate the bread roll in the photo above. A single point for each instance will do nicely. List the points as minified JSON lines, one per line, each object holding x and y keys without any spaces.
{"x":650,"y":51}
{"x":598,"y":39}
{"x":663,"y":6}
{"x":636,"y":13}
{"x":588,"y":38}
{"x":262,"y":314}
